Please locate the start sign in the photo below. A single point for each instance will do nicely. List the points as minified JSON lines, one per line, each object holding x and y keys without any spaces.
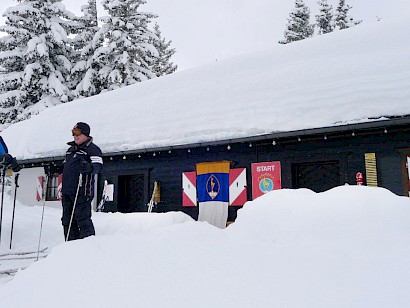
{"x":265,"y":178}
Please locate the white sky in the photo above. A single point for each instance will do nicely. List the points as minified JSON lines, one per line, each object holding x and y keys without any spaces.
{"x":348,"y":247}
{"x":206,"y":31}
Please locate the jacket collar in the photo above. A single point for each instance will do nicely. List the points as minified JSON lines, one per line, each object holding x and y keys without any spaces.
{"x":82,"y":145}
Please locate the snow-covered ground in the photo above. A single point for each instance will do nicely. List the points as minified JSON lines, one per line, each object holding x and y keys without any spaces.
{"x":347,"y":247}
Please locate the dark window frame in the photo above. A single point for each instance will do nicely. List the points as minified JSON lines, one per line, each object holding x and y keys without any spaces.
{"x":52,"y":187}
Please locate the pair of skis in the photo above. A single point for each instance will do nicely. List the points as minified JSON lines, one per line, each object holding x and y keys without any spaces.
{"x":104,"y":197}
{"x":20,"y":255}
{"x":151,"y":201}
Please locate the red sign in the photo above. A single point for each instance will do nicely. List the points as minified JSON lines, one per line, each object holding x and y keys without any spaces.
{"x":265,"y":178}
{"x":60,"y":187}
{"x":189,"y":188}
{"x":237,"y":187}
{"x":359,"y":178}
{"x":39,"y":188}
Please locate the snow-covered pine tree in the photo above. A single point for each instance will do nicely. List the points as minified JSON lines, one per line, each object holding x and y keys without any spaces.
{"x":34,"y":57}
{"x":342,"y":18}
{"x":162,"y":64}
{"x":298,"y":27}
{"x":324,"y":20}
{"x":84,"y":73}
{"x":127,"y":55}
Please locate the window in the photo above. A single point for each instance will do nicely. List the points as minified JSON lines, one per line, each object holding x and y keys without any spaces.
{"x":54,"y":187}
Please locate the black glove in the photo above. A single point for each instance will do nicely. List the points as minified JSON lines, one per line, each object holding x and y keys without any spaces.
{"x":15,"y":166}
{"x":10,"y":162}
{"x":6,"y":159}
{"x":86,"y":167}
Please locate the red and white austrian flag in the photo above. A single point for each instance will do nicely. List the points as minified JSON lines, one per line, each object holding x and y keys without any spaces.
{"x":39,"y":188}
{"x":60,"y":187}
{"x":237,"y":187}
{"x":189,"y":188}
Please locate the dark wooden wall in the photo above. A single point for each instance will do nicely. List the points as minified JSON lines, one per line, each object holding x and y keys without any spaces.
{"x":346,"y":150}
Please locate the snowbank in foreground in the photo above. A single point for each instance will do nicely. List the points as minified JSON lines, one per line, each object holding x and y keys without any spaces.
{"x":347,"y":247}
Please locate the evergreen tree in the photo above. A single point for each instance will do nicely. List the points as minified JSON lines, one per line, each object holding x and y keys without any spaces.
{"x":324,"y":21}
{"x":162,"y":65}
{"x":298,"y":27}
{"x":34,"y":58}
{"x":342,"y":19}
{"x":84,"y":73}
{"x":127,"y":55}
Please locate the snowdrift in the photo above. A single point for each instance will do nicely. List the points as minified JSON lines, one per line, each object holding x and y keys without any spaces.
{"x":347,"y":247}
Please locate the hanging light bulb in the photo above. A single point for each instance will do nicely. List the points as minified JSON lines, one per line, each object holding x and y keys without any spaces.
{"x":353,"y":134}
{"x":250,"y":144}
{"x":124,"y":157}
{"x":228,"y":147}
{"x":299,"y":139}
{"x":325,"y":137}
{"x":154,"y":154}
{"x":274,"y":142}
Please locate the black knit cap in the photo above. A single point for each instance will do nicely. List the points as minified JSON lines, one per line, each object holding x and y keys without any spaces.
{"x":84,"y":128}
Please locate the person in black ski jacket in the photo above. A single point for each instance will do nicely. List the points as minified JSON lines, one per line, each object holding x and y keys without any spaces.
{"x":6,"y":160}
{"x":83,"y":157}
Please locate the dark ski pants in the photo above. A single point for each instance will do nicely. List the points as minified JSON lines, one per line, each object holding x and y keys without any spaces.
{"x":82,"y":225}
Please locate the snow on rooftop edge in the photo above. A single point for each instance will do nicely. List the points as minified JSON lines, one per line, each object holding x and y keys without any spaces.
{"x":340,"y":78}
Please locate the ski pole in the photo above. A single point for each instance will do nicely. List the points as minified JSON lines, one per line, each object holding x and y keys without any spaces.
{"x":16,"y":179}
{"x":3,"y":177}
{"x":104,"y":198}
{"x":151,"y":202}
{"x":42,"y":214}
{"x":100,"y":206}
{"x":80,"y":179}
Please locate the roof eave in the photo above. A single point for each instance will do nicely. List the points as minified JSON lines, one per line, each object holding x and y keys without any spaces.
{"x":365,"y":126}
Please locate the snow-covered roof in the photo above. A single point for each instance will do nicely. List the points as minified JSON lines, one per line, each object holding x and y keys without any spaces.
{"x":355,"y":75}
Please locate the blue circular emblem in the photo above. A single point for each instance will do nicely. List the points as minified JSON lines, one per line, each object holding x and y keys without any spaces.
{"x":266,"y":185}
{"x":213,"y":186}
